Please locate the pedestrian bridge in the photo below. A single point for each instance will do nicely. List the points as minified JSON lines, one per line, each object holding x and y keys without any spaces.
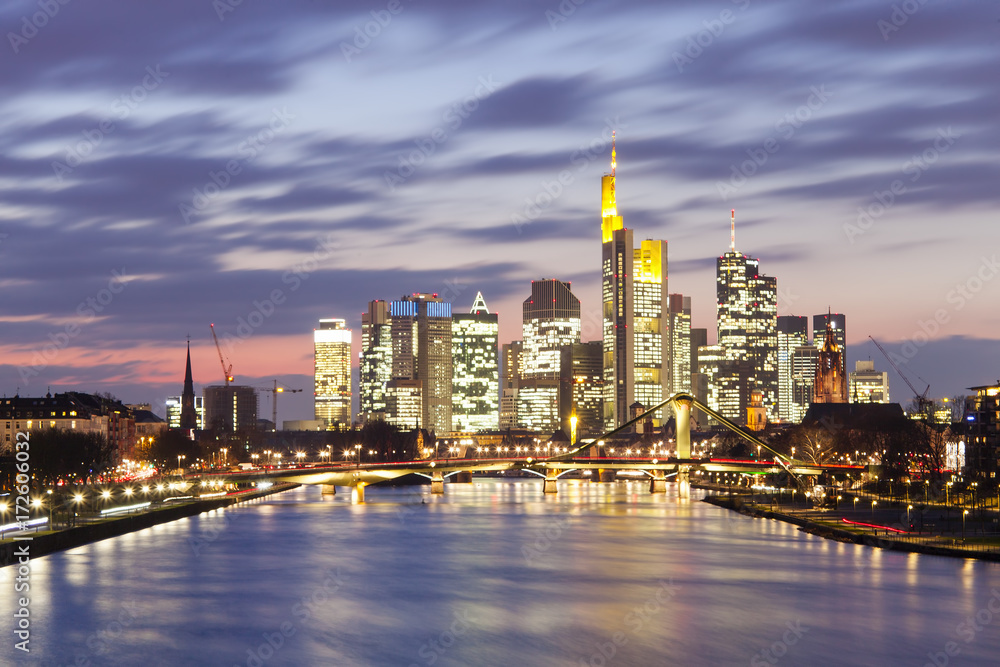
{"x":358,"y":475}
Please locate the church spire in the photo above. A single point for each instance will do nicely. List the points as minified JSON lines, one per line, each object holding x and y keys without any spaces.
{"x":189,"y":419}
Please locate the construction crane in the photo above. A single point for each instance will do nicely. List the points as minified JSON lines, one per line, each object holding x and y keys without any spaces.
{"x":922,"y":400}
{"x":275,"y":390}
{"x":226,"y":371}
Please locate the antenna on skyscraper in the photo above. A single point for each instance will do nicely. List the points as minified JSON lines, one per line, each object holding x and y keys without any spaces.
{"x":613,"y":152}
{"x":732,"y":230}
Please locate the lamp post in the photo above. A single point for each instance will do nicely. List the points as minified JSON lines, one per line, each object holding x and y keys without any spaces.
{"x":180,"y":457}
{"x":874,"y":503}
{"x":947,"y":494}
{"x":927,"y":483}
{"x":964,"y":512}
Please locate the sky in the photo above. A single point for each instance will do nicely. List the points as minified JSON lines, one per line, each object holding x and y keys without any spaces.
{"x":262,"y":165}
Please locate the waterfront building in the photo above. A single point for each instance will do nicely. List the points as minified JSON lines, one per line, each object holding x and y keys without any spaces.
{"x":982,"y":424}
{"x":868,"y":385}
{"x":332,"y":373}
{"x":476,"y":369}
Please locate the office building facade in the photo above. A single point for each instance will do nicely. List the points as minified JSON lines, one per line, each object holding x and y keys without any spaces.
{"x":332,"y":373}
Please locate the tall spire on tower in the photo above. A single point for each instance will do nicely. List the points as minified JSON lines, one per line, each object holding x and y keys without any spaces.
{"x":613,"y":161}
{"x":189,"y":418}
{"x":732,"y":231}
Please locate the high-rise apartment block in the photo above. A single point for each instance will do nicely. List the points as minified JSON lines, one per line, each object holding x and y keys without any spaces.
{"x":332,"y":373}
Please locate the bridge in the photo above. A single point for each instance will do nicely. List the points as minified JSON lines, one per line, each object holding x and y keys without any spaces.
{"x":358,"y":475}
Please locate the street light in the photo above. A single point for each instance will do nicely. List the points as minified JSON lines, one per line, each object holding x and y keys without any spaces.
{"x":874,"y":503}
{"x":964,"y":512}
{"x":947,"y":493}
{"x":180,"y":457}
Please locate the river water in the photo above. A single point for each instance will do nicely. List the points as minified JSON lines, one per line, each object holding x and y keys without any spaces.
{"x":495,"y":573}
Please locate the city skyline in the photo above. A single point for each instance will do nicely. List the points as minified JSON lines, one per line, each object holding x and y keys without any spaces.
{"x":331,"y":211}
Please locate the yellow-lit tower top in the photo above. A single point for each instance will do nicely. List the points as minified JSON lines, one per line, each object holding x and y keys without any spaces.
{"x":610,"y":220}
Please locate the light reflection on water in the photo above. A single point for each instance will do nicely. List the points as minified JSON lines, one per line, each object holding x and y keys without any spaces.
{"x":496,"y":573}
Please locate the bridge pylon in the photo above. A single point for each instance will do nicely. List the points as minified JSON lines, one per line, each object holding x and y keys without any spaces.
{"x":658,"y":482}
{"x":437,"y":482}
{"x":549,"y":485}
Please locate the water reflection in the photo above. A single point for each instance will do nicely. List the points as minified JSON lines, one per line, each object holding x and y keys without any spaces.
{"x":493,"y":572}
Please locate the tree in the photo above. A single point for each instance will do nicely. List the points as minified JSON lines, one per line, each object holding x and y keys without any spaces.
{"x":69,"y":455}
{"x":171,"y":444}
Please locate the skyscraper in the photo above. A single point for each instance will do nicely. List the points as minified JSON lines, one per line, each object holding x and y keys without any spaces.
{"x":804,"y":361}
{"x":406,"y":363}
{"x":634,"y":302}
{"x":230,"y":408}
{"x":838,"y":323}
{"x":376,"y":360}
{"x":332,"y":373}
{"x":551,"y":321}
{"x":747,"y":321}
{"x":476,"y":373}
{"x":650,"y":339}
{"x":510,"y":382}
{"x":792,"y":334}
{"x":679,"y":347}
{"x":421,"y":351}
{"x":586,"y":364}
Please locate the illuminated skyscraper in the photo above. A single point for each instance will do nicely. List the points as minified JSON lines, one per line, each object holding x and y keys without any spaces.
{"x":551,"y":321}
{"x":747,"y":320}
{"x":586,"y":364}
{"x":651,"y":355}
{"x":376,"y":360}
{"x":421,"y":350}
{"x":332,"y":373}
{"x":476,"y":374}
{"x":792,"y":334}
{"x":804,"y":361}
{"x":679,"y":347}
{"x":406,"y":362}
{"x":511,"y":380}
{"x":634,"y":303}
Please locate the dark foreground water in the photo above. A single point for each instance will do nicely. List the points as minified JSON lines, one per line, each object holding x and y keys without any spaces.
{"x":493,"y":573}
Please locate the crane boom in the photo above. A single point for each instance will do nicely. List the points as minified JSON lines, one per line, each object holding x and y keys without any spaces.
{"x":274,"y":400}
{"x":226,"y":372}
{"x":921,"y":398}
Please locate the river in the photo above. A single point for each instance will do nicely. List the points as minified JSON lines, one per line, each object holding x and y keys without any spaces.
{"x":495,"y":573}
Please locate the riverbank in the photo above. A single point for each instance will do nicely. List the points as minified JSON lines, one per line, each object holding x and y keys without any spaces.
{"x":43,"y":543}
{"x":824,"y":524}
